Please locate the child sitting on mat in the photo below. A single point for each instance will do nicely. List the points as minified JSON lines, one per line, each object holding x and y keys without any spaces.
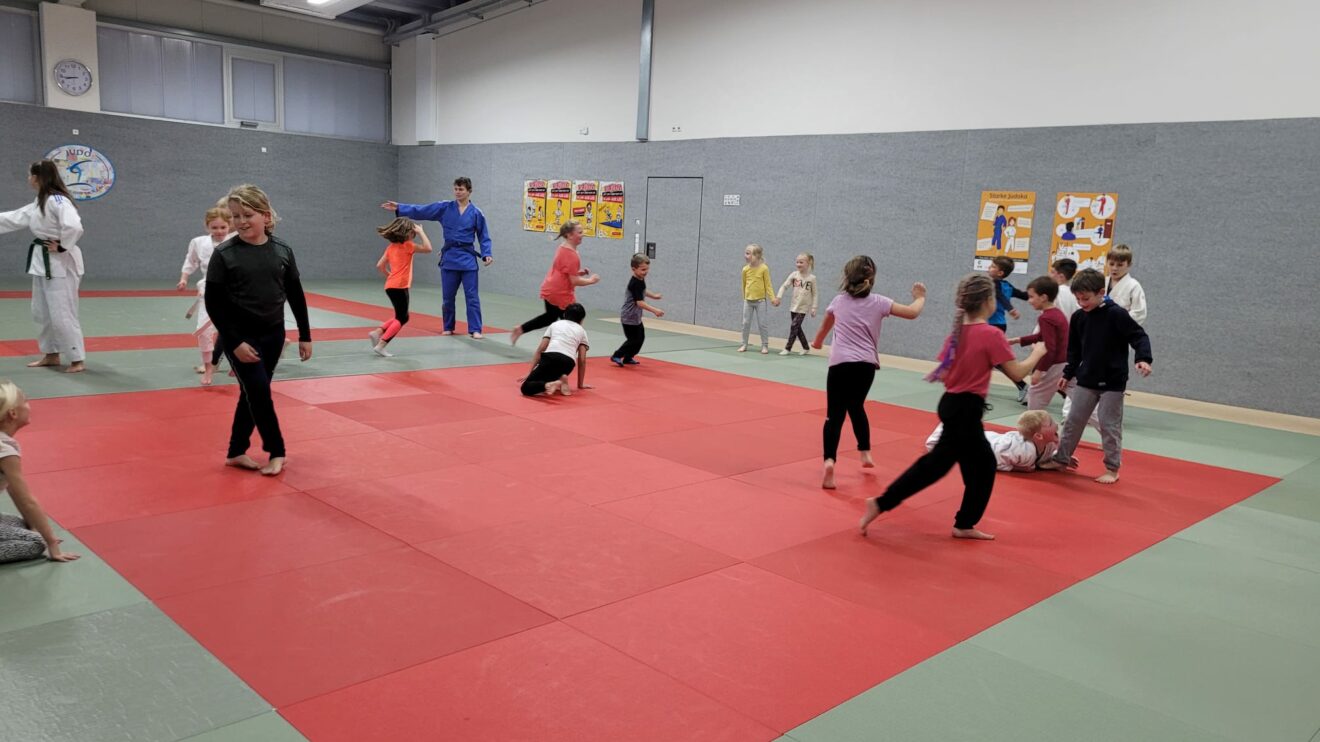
{"x":1033,"y":443}
{"x":564,"y":341}
{"x":28,"y":534}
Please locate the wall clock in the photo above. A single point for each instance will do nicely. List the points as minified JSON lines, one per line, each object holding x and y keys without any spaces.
{"x":72,"y":76}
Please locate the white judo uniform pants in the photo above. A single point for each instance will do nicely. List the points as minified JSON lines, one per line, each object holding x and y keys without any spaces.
{"x":55,"y":310}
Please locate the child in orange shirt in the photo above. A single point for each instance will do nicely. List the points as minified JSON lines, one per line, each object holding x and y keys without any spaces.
{"x":396,"y":266}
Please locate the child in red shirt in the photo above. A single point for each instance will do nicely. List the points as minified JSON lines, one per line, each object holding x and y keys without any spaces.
{"x":565,"y":275}
{"x":396,"y":265}
{"x":972,"y":350}
{"x":1053,"y":331}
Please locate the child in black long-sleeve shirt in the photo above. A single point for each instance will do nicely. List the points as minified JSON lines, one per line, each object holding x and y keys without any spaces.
{"x":248,"y":281}
{"x":1098,"y":340}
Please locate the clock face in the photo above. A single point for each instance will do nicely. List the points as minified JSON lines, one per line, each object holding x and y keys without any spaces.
{"x":72,"y":77}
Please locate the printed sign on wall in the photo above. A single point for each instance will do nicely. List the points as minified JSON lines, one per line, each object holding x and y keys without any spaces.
{"x":1004,"y":228}
{"x":1084,"y":228}
{"x":87,"y":173}
{"x":534,"y":205}
{"x":584,"y":205}
{"x":609,"y":211}
{"x":558,"y":204}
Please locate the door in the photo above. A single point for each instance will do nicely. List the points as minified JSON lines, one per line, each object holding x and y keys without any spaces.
{"x":673,"y":224}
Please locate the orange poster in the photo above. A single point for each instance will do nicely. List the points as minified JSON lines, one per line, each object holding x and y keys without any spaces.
{"x":1084,"y":228}
{"x":1004,"y":228}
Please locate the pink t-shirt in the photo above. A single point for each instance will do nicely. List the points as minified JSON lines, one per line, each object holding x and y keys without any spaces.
{"x":857,"y":327}
{"x":980,"y":348}
{"x":557,"y":288}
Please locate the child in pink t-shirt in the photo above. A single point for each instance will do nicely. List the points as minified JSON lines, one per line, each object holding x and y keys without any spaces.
{"x":855,"y":315}
{"x":970,"y":353}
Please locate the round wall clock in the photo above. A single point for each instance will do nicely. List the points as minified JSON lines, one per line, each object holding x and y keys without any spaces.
{"x":72,"y":76}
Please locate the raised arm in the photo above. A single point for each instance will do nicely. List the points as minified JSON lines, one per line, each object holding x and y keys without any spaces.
{"x":425,"y":245}
{"x":913,"y":310}
{"x":12,"y":221}
{"x":419,"y":212}
{"x":1019,"y":370}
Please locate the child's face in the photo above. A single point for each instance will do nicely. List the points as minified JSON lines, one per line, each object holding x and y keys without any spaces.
{"x":218,"y":228}
{"x":574,"y":238}
{"x":1057,"y":277}
{"x":1118,"y":268}
{"x":641,"y":270}
{"x":1048,"y":433}
{"x":1087,"y":300}
{"x":1038,"y":302}
{"x":994,"y":272}
{"x":800,"y":264}
{"x":750,"y":256}
{"x":22,"y":412}
{"x":250,"y":225}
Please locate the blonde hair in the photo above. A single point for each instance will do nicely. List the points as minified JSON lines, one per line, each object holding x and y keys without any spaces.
{"x":974,"y":291}
{"x":10,"y":396}
{"x":569,"y":227}
{"x":1121,"y":253}
{"x":252,"y":197}
{"x":811,"y":260}
{"x":398,"y":231}
{"x":858,"y":276}
{"x":1032,"y":422}
{"x":216,"y":212}
{"x":757,"y":252}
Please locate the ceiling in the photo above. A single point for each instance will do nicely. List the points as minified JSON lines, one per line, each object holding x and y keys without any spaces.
{"x":400,"y":19}
{"x":398,"y":12}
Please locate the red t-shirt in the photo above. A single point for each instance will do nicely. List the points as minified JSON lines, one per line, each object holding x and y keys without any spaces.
{"x":1054,"y":331}
{"x":557,"y":288}
{"x":400,"y":257}
{"x":980,"y":348}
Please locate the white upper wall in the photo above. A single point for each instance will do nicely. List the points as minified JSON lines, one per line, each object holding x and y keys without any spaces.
{"x":732,"y":68}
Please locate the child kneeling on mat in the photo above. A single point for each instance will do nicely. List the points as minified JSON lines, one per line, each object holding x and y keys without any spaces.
{"x":564,"y":341}
{"x":1032,"y":444}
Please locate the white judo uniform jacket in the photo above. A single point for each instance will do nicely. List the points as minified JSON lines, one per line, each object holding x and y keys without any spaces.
{"x":54,"y":294}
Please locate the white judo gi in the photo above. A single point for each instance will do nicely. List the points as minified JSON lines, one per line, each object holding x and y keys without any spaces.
{"x":198,"y":259}
{"x":54,"y":291}
{"x":1012,"y":451}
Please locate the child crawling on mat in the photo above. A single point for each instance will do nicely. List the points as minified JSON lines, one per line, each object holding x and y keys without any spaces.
{"x":1033,"y":443}
{"x":563,"y":342}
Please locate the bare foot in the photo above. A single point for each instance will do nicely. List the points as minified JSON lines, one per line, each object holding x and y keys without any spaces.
{"x":973,"y":534}
{"x":1051,"y":465}
{"x":565,"y":388}
{"x":872,"y":512}
{"x":447,"y":332}
{"x":1109,"y":477}
{"x":742,"y":348}
{"x":50,"y":359}
{"x":199,"y":369}
{"x":243,"y":462}
{"x":374,"y":337}
{"x":513,"y":336}
{"x":477,"y":336}
{"x":274,"y":466}
{"x":76,"y":367}
{"x":867,"y":461}
{"x":765,"y":351}
{"x":827,"y":481}
{"x":208,"y":375}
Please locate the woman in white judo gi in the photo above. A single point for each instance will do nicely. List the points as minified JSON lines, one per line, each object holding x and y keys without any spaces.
{"x":198,"y":258}
{"x":55,"y":264}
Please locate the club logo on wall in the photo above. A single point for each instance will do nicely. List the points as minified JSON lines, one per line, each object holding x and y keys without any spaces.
{"x":87,"y":173}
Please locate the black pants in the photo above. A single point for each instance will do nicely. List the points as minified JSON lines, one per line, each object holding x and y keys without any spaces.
{"x":255,"y":406}
{"x":550,"y":368}
{"x":1016,"y":382}
{"x":846,"y":385}
{"x":215,"y":354}
{"x":544,"y":319}
{"x":399,"y":298}
{"x":963,"y":443}
{"x":795,"y":330}
{"x":636,"y":335}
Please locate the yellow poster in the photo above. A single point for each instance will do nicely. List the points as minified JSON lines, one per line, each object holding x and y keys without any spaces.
{"x":1004,"y":228}
{"x":609,"y":211}
{"x":584,"y":205}
{"x":534,"y":205}
{"x":1084,"y":228}
{"x":558,"y":204}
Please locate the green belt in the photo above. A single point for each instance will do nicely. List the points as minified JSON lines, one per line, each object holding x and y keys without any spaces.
{"x":39,"y":244}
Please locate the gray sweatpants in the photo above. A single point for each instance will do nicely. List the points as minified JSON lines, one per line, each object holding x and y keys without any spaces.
{"x":1040,"y":393}
{"x":1108,"y":407}
{"x":758,"y":309}
{"x":17,"y":542}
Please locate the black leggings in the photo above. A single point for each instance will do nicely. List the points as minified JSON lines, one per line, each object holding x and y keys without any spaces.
{"x":636,"y":335}
{"x":551,"y":367}
{"x":255,"y":407}
{"x":963,"y":443}
{"x":544,"y":319}
{"x":795,"y":330}
{"x":399,"y":298}
{"x":1016,"y":382}
{"x":846,"y":385}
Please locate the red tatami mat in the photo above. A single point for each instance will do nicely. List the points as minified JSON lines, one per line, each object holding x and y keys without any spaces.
{"x":445,"y":557}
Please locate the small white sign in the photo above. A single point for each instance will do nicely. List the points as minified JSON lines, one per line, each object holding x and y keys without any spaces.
{"x":733,"y":199}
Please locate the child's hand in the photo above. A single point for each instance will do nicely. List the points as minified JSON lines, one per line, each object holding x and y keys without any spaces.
{"x":813,"y":313}
{"x":56,"y":555}
{"x":305,"y":351}
{"x":384,"y":270}
{"x":658,"y":297}
{"x":595,"y":278}
{"x":417,"y":230}
{"x":1038,"y":350}
{"x":817,"y":344}
{"x":246,"y":353}
{"x":918,"y":290}
{"x":1015,"y":314}
{"x":1035,"y":376}
{"x":659,"y":313}
{"x":183,"y":285}
{"x":1143,"y":368}
{"x":1063,"y":385}
{"x":775,"y":301}
{"x":1014,"y":341}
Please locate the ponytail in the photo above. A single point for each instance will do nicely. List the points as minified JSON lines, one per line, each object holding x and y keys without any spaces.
{"x":973,"y":292}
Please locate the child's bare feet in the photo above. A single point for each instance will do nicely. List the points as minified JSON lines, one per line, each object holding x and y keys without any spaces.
{"x":477,"y":336}
{"x":1109,"y":477}
{"x":565,"y":388}
{"x":765,"y":351}
{"x":374,"y":336}
{"x":973,"y":534}
{"x":199,"y":369}
{"x":867,"y":461}
{"x":274,"y":466}
{"x":742,"y":348}
{"x":872,"y":512}
{"x":50,"y":359}
{"x":208,"y":374}
{"x":447,"y":332}
{"x":1051,"y":465}
{"x":827,"y":481}
{"x":76,"y":367}
{"x":242,"y":462}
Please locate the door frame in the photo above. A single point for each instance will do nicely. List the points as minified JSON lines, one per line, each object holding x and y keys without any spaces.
{"x":701,"y":207}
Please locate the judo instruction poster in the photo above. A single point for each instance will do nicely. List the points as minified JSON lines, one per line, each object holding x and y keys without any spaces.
{"x":1004,"y":228}
{"x":584,"y":205}
{"x":558,"y":204}
{"x":534,"y":205}
{"x":609,"y":211}
{"x":1084,"y":228}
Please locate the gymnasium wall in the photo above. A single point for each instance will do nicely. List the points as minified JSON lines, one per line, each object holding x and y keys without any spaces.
{"x":167,"y":175}
{"x":1215,"y":212}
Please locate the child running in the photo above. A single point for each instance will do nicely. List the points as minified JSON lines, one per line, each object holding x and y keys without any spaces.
{"x":1053,"y":331}
{"x":563,"y":342}
{"x":973,"y":349}
{"x":855,"y":316}
{"x":805,"y":299}
{"x":1098,"y":342}
{"x":199,"y":259}
{"x":634,"y":301}
{"x":756,"y":289}
{"x":251,"y":277}
{"x":396,"y":264}
{"x":1025,"y":449}
{"x":28,"y":534}
{"x":558,"y":288}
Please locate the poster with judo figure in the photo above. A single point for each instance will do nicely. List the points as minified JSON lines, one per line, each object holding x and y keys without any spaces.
{"x":1084,"y":228}
{"x":1004,"y":228}
{"x":609,"y":211}
{"x":534,"y":205}
{"x":558,"y":204}
{"x":584,"y":205}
